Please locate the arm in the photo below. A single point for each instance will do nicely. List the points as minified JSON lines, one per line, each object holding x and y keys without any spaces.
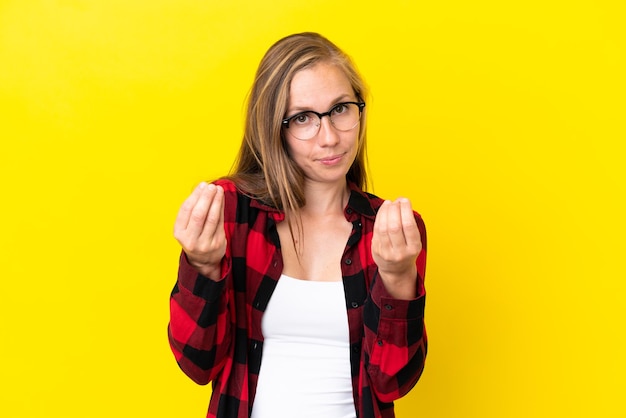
{"x":199,"y":330}
{"x":395,"y":337}
{"x":200,"y":325}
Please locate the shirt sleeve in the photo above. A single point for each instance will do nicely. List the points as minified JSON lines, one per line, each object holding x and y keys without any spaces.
{"x":395,"y":335}
{"x":201,"y":322}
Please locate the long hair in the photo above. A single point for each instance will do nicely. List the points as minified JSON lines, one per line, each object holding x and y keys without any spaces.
{"x":263,"y":168}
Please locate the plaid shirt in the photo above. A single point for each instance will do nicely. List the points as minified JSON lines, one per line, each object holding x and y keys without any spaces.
{"x":215,"y":326}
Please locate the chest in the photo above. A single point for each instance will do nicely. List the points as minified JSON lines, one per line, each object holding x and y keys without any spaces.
{"x":315,"y":251}
{"x":259,"y":258}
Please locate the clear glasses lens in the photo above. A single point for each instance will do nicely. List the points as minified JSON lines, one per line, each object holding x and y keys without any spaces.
{"x":344,"y":117}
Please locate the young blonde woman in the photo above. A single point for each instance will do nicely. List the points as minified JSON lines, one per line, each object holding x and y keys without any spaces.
{"x":298,"y":293}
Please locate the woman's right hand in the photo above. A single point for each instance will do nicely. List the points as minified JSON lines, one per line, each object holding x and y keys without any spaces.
{"x":199,"y":229}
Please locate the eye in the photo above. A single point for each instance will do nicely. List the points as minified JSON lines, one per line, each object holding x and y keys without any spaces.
{"x":301,"y":119}
{"x":340,"y":108}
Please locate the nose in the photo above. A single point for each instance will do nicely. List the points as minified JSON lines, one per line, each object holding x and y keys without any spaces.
{"x":327,"y":136}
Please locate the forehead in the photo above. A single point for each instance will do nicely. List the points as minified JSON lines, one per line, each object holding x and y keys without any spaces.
{"x":319,"y":87}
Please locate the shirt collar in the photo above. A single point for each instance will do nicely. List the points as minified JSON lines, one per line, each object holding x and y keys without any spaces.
{"x":277,"y":214}
{"x":359,"y":202}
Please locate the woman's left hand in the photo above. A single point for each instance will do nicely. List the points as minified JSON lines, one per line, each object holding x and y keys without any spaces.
{"x":396,"y":243}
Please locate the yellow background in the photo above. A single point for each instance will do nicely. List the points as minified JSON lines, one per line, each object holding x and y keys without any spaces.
{"x":504,"y":122}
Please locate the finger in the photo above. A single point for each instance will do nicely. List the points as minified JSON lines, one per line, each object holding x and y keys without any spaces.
{"x":409,"y":225}
{"x":215,"y":216}
{"x":182,"y":218}
{"x":200,"y":211}
{"x":394,"y":226}
{"x":380,"y":223}
{"x":380,"y":237}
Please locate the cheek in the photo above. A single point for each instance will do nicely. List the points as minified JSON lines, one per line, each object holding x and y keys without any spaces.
{"x":356,"y":147}
{"x":291,"y":146}
{"x":295,"y":148}
{"x":354,"y":141}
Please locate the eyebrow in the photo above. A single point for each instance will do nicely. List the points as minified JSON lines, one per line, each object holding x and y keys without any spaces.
{"x":299,"y":109}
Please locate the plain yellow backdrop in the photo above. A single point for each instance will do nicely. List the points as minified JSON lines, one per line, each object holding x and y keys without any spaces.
{"x":503,"y":122}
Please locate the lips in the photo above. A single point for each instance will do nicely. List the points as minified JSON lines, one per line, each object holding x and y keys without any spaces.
{"x":333,"y":159}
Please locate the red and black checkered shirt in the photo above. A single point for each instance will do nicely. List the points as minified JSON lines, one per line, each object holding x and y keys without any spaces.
{"x":215,"y":326}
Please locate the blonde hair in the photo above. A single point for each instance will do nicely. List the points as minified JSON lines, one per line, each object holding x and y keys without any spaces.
{"x":263,"y":168}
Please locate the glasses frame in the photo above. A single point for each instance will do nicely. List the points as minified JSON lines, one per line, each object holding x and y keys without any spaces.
{"x":286,"y":121}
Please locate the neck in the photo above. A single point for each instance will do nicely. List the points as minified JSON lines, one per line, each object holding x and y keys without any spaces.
{"x":325,"y":199}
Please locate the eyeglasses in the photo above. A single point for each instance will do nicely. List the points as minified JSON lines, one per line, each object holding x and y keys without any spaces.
{"x":343,"y":116}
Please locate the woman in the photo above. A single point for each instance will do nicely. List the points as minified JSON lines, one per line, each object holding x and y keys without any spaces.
{"x":298,"y":294}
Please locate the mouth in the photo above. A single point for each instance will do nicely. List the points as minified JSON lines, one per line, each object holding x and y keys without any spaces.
{"x":333,"y":159}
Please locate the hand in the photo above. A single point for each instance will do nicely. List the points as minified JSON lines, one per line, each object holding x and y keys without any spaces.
{"x":199,"y":229}
{"x":396,"y":243}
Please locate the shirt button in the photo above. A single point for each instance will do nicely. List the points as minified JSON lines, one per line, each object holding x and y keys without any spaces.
{"x":349,"y":211}
{"x":355,"y":304}
{"x":388,"y":307}
{"x":348,"y":261}
{"x":380,"y":343}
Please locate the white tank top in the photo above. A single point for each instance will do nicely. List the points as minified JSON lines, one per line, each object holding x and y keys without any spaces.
{"x":305,"y":369}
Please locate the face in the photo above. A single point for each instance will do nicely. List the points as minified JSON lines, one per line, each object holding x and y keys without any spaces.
{"x":327,"y":157}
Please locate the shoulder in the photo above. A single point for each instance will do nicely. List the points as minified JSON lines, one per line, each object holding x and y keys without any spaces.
{"x":237,"y":200}
{"x":362,"y":202}
{"x":367,"y":203}
{"x":374,"y":200}
{"x":227,"y":184}
{"x":232,"y":196}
